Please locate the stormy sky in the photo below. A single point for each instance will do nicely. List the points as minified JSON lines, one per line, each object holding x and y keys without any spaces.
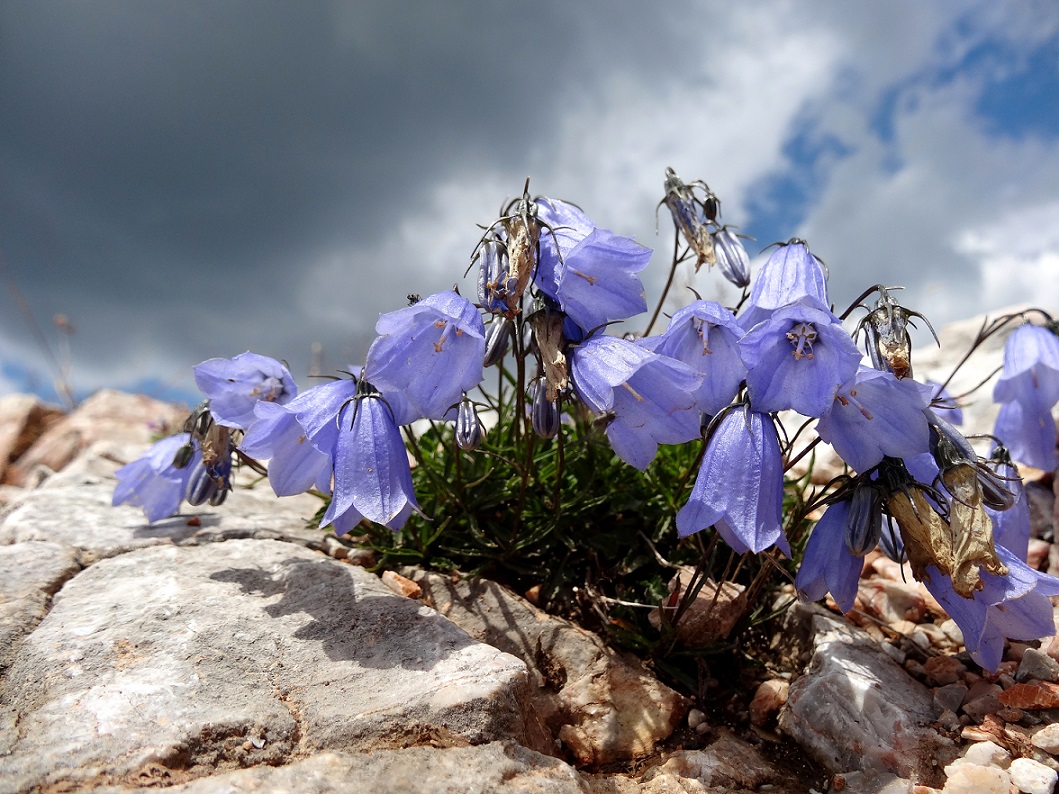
{"x":188,"y":179}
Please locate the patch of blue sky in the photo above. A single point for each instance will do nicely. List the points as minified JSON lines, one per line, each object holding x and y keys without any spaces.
{"x":1022,"y":100}
{"x":779,"y":202}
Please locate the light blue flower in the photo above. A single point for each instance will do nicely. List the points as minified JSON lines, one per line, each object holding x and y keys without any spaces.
{"x":373,"y":479}
{"x":295,"y":465}
{"x":828,"y":564}
{"x":1015,"y":606}
{"x":153,"y":483}
{"x":705,"y":336}
{"x":590,"y":272}
{"x":875,"y":415}
{"x":234,"y":385}
{"x":739,"y":488}
{"x":650,"y":398}
{"x":431,"y":353}
{"x":798,"y":358}
{"x":788,"y":276}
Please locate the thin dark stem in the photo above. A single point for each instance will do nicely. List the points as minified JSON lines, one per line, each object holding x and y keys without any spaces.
{"x":669,"y":281}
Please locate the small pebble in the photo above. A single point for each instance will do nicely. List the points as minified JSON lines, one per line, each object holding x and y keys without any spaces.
{"x":948,"y":720}
{"x":401,"y":585}
{"x":768,"y":700}
{"x":949,"y":697}
{"x":1047,"y":738}
{"x":1032,"y":777}
{"x":702,"y":728}
{"x":695,"y":718}
{"x":920,"y":638}
{"x":943,"y":669}
{"x":1009,"y":714}
{"x":1039,"y":665}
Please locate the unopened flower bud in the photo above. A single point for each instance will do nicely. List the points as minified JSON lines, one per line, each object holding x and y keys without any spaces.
{"x":201,"y":487}
{"x":492,"y":275}
{"x":497,"y":340}
{"x":544,"y":414}
{"x":469,"y":430}
{"x":864,"y":522}
{"x":732,"y":257}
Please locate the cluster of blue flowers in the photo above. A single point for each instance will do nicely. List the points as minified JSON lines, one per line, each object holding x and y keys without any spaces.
{"x":549,"y":282}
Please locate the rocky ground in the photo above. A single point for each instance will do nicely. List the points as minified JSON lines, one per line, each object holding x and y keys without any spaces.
{"x":235,"y":649}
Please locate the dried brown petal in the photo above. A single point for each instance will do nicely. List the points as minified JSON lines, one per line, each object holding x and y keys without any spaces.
{"x":972,"y":531}
{"x":927,"y":536}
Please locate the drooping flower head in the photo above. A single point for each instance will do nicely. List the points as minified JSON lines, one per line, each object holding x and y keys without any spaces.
{"x":373,"y":479}
{"x":828,"y":564}
{"x":705,"y":336}
{"x":235,"y":385}
{"x":875,"y":415}
{"x":798,"y":358}
{"x":295,"y":465}
{"x":589,"y":272}
{"x":1028,"y":388}
{"x":154,"y":482}
{"x":788,"y":276}
{"x":739,"y":488}
{"x":430,"y":352}
{"x":1013,"y":606}
{"x":649,"y":397}
{"x":1031,"y":367}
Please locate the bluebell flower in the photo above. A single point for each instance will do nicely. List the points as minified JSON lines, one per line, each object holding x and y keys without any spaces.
{"x":828,"y":564}
{"x":153,"y":482}
{"x":295,"y":465}
{"x":1027,"y":389}
{"x":234,"y":385}
{"x":732,"y":258}
{"x":430,"y":352}
{"x":705,"y":336}
{"x":1015,"y":606}
{"x":789,"y":275}
{"x":1031,"y":367}
{"x":590,"y":272}
{"x":875,"y":415}
{"x":648,"y":397}
{"x":372,"y":476}
{"x":739,"y":488}
{"x":798,"y":358}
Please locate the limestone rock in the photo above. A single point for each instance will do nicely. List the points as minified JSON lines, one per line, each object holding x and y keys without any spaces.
{"x":106,"y":415}
{"x":30,"y":573}
{"x":854,"y":709}
{"x":600,"y":705}
{"x":23,"y":418}
{"x":975,"y":779}
{"x":189,"y":660}
{"x":501,"y":767}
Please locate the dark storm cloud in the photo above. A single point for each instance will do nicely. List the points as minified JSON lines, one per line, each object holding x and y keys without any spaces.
{"x":164,"y":165}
